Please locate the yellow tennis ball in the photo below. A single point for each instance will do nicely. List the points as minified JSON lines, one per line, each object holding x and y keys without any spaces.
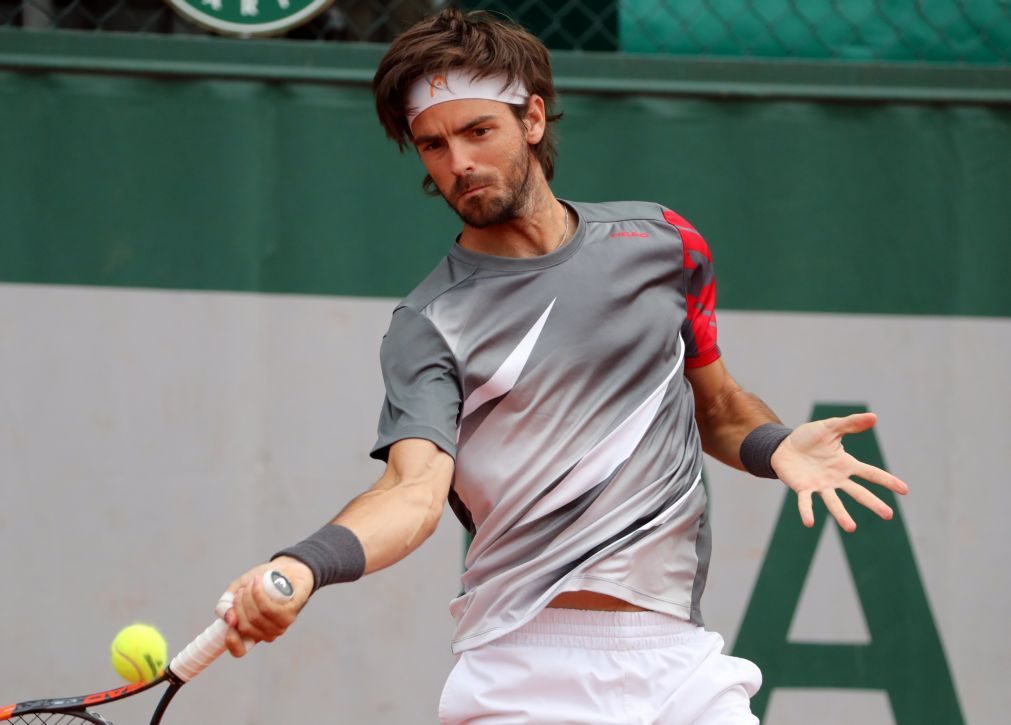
{"x":139,"y":653}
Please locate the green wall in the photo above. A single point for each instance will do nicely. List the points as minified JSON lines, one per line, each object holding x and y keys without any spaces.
{"x":289,"y":186}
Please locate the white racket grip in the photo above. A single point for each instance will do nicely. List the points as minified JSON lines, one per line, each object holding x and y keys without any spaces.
{"x":200,"y":652}
{"x":210,"y":644}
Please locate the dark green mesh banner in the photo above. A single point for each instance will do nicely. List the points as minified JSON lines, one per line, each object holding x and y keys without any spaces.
{"x":973,"y":31}
{"x":963,"y":31}
{"x":247,"y":185}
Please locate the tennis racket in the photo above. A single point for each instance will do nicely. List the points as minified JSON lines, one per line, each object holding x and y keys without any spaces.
{"x":186,"y":665}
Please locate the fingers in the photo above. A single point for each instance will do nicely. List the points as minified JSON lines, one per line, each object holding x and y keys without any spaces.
{"x":868,"y":500}
{"x":275,"y":616}
{"x":252,"y":620}
{"x":806,"y":507}
{"x":254,"y":616}
{"x":838,"y":511}
{"x":233,"y":640}
{"x":873,"y":474}
{"x":855,"y":423}
{"x":234,"y":643}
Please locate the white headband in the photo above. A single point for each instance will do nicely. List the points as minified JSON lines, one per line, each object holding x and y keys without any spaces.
{"x":458,"y":85}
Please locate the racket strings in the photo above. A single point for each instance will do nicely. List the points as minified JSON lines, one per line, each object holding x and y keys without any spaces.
{"x":55,"y":718}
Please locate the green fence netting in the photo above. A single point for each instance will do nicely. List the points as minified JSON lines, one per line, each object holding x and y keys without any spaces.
{"x":960,"y":31}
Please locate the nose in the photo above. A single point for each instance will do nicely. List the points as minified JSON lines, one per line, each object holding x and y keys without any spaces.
{"x":460,"y":162}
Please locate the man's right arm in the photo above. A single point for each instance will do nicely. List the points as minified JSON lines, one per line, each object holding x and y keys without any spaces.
{"x":390,"y":520}
{"x":404,"y":506}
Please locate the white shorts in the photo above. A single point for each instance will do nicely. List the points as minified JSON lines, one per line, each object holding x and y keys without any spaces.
{"x":625,"y":668}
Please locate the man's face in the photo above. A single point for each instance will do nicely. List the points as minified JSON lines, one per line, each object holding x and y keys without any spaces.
{"x":477,"y":154}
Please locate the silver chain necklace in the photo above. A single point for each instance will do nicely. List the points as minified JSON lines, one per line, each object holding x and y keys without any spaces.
{"x":565,"y":231}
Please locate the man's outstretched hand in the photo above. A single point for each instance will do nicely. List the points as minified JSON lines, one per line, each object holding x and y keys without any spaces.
{"x":812,"y":460}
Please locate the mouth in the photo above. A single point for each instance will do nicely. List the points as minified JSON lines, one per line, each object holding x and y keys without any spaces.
{"x":470,"y":192}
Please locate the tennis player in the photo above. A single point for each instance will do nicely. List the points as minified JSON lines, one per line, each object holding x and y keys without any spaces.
{"x":556,"y":379}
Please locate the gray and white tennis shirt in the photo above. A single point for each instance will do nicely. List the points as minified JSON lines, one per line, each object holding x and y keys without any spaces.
{"x":557,"y":383}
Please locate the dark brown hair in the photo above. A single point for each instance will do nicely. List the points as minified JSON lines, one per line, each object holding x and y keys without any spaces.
{"x":478,"y":41}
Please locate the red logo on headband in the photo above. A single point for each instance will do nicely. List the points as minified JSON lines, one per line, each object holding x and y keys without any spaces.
{"x":438,"y":83}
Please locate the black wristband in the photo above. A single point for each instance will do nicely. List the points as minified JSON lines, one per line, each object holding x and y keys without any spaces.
{"x":759,"y":445}
{"x":333,"y":554}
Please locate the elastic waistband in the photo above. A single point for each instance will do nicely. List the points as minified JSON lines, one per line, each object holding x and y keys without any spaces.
{"x":585,"y":629}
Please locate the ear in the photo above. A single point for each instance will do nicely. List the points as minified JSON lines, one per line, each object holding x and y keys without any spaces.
{"x":535,"y":120}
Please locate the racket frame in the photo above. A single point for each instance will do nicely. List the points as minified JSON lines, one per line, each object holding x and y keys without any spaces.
{"x":79,"y":704}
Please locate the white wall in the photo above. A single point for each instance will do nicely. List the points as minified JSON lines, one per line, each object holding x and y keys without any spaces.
{"x":153,"y":445}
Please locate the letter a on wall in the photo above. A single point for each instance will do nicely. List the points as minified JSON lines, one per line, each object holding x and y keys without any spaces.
{"x":904,"y":656}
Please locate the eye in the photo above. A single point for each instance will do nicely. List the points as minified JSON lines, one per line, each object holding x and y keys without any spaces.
{"x":482,"y":131}
{"x":431,"y":146}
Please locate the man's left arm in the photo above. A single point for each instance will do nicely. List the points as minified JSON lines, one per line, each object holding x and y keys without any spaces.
{"x":810,"y":460}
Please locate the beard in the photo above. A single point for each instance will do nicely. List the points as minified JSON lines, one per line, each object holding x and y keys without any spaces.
{"x":491,"y":206}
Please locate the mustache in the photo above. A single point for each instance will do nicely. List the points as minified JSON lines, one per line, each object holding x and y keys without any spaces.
{"x":465,"y":183}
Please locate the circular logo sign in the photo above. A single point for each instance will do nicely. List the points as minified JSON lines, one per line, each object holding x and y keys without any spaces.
{"x":249,"y":17}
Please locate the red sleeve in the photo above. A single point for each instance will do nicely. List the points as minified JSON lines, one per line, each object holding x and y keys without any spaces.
{"x":699,"y":328}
